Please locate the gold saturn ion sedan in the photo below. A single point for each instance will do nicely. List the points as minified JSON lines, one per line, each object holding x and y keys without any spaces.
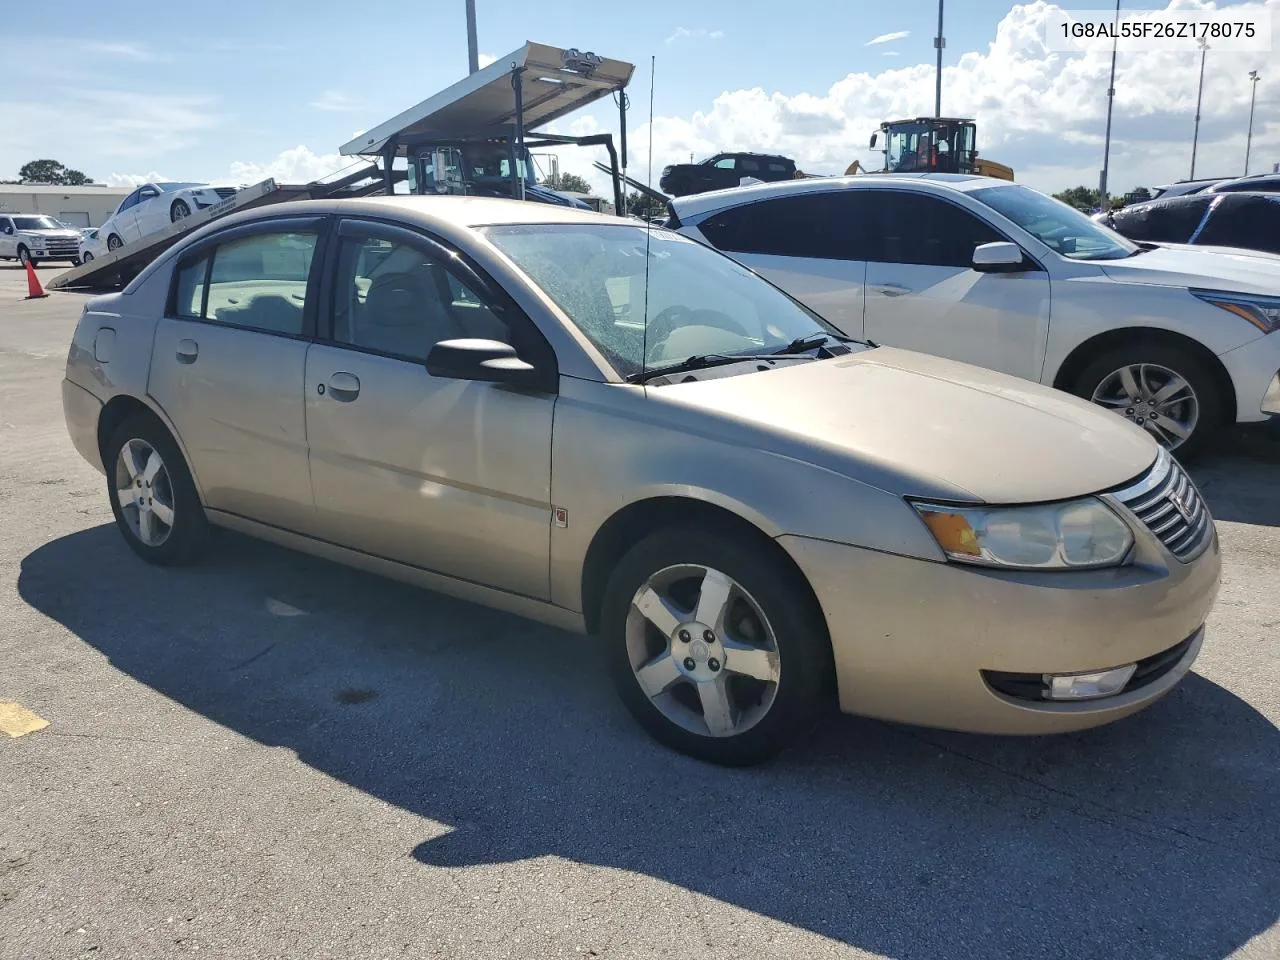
{"x":612,"y":428}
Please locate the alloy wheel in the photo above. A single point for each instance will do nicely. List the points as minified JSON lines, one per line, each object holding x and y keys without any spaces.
{"x":702,"y":650}
{"x":144,"y":492}
{"x":1153,"y":397}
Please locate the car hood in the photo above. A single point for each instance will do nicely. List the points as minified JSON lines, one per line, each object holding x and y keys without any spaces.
{"x":919,"y":425}
{"x":52,"y":234}
{"x":1229,"y":251}
{"x":1213,"y":268}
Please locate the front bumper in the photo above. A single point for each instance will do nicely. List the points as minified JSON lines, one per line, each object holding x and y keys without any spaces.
{"x":1254,"y":369}
{"x":912,"y":638}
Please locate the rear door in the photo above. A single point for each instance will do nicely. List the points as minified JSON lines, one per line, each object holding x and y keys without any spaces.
{"x":8,"y":243}
{"x":922,"y":292}
{"x":124,"y":222}
{"x":813,"y":245}
{"x":151,"y":213}
{"x":228,"y":363}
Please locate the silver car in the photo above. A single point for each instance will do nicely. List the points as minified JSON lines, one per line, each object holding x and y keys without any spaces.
{"x":609,"y":427}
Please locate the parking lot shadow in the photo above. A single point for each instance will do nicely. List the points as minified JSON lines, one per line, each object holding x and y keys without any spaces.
{"x":1156,"y":836}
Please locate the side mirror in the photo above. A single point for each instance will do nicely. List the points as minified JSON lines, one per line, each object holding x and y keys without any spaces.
{"x":874,"y":138}
{"x":491,"y":361}
{"x":998,"y":257}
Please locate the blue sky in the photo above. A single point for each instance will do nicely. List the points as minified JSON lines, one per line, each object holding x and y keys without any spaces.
{"x":191,"y":92}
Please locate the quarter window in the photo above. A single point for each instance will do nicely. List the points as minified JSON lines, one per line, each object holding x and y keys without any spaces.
{"x":398,"y":298}
{"x":919,"y":229}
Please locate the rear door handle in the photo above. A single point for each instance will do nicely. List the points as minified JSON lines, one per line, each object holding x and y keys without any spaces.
{"x":344,"y":387}
{"x":188,"y":350}
{"x":891,"y":289}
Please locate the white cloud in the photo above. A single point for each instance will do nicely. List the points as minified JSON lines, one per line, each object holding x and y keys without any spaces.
{"x":1042,"y":113}
{"x":484,"y":59}
{"x":698,"y":33}
{"x":891,"y":53}
{"x":888,"y":37}
{"x":123,"y":51}
{"x":296,"y":165}
{"x":132,"y":180}
{"x":337,"y":102}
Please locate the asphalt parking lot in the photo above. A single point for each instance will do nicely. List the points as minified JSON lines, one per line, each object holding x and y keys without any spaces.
{"x":271,"y":756}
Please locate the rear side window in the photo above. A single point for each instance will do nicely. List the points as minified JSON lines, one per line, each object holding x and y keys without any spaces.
{"x":258,"y":282}
{"x":1252,"y":223}
{"x":822,"y":226}
{"x":919,"y":229}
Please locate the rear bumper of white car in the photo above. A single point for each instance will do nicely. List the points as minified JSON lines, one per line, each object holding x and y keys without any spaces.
{"x":1254,"y":369}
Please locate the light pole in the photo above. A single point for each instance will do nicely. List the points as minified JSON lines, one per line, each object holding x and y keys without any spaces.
{"x":1111,"y":97}
{"x":1195,"y":138}
{"x":1253,"y":96}
{"x":473,"y":48}
{"x":939,"y":42}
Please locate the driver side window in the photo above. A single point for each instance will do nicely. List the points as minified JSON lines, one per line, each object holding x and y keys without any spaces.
{"x":398,"y":298}
{"x":725,"y":163}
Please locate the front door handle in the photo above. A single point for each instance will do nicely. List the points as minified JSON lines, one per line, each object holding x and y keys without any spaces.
{"x":344,"y":387}
{"x":891,"y":289}
{"x":188,"y":350}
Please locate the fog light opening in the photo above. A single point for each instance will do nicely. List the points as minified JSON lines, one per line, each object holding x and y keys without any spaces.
{"x":1087,"y":686}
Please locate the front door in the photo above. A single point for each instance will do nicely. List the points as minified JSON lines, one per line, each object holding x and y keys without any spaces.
{"x":922,"y":292}
{"x":227,"y":367}
{"x":447,"y":475}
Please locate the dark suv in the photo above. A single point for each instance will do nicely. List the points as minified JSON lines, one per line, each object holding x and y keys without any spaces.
{"x":724,"y":170}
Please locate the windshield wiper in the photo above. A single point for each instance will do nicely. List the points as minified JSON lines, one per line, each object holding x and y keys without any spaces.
{"x":701,"y":361}
{"x":810,"y":341}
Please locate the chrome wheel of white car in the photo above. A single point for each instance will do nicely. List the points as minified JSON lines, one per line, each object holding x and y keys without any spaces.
{"x":114,"y":242}
{"x":179,"y":211}
{"x":144,"y":492}
{"x":87,"y":256}
{"x":1153,"y":397}
{"x":702,"y":650}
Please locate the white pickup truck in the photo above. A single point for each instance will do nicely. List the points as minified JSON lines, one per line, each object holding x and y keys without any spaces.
{"x":35,"y":237}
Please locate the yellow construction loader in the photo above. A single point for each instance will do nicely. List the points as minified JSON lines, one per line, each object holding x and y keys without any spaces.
{"x":930,"y":145}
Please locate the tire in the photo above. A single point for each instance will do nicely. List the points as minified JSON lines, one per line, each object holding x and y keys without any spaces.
{"x":88,"y":257}
{"x":173,"y":542}
{"x":770,"y":606}
{"x":75,"y":262}
{"x":24,"y":256}
{"x":114,"y":242}
{"x":179,"y":211}
{"x":1151,"y":363}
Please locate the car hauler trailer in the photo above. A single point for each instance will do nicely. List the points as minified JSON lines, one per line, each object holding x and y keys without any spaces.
{"x":475,"y":136}
{"x":115,"y":269}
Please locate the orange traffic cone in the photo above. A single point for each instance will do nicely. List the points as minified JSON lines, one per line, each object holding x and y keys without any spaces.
{"x":34,"y":290}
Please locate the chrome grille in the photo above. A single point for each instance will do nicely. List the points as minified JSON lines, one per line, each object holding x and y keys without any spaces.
{"x":58,"y":245}
{"x":1168,"y":503}
{"x":224,"y":192}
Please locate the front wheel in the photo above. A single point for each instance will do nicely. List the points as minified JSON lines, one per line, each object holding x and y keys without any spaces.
{"x":179,"y":211}
{"x":718,"y":651}
{"x":153,"y":498}
{"x":24,"y":256}
{"x":1163,"y":388}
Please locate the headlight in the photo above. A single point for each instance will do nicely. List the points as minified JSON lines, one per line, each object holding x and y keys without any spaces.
{"x":1262,"y":312}
{"x":1074,"y":535}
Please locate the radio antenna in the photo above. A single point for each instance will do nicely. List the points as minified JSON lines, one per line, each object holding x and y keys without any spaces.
{"x":648,"y":230}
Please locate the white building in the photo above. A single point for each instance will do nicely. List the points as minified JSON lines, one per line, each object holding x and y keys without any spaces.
{"x":86,"y":206}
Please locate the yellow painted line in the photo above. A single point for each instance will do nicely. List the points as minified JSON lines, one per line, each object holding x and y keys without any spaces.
{"x":16,"y":720}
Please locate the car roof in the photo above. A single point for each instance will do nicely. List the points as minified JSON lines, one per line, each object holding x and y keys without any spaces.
{"x":1238,"y":183}
{"x":701,"y":203}
{"x":431,"y":212}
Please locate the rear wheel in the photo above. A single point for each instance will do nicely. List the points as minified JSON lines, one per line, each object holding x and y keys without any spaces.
{"x":114,"y":242}
{"x":87,"y":256}
{"x":152,"y":494}
{"x":1161,"y":387}
{"x":718,"y":651}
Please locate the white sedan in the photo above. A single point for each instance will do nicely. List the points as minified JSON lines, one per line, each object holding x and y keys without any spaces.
{"x":1180,"y":341}
{"x":92,"y":245}
{"x":153,"y":206}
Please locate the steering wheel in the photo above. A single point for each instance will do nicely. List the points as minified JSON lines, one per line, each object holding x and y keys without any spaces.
{"x":662,"y":326}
